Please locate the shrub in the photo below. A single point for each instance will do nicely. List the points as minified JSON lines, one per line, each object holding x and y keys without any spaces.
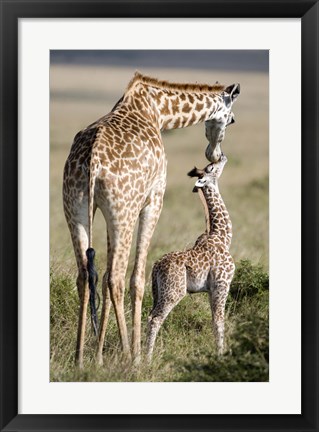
{"x":246,"y":333}
{"x":249,"y":280}
{"x":246,"y":361}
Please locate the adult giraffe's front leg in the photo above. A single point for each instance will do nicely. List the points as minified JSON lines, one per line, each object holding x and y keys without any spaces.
{"x":147,"y":221}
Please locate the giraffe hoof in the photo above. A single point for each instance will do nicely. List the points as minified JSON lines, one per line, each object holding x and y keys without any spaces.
{"x":137,"y":360}
{"x":126,"y":356}
{"x":99,"y":360}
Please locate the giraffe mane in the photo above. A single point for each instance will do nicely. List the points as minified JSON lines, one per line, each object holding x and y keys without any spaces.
{"x":203,"y":200}
{"x":166,"y":85}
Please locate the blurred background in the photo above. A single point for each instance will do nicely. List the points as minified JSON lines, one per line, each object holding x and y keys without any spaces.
{"x":236,"y":60}
{"x":85,"y":85}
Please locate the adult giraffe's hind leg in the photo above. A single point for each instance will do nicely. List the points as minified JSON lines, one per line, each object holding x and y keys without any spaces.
{"x":120,"y":235}
{"x":106,"y":305}
{"x":83,"y":290}
{"x":76,"y":213}
{"x":117,"y":290}
{"x":147,"y":221}
{"x":80,"y":244}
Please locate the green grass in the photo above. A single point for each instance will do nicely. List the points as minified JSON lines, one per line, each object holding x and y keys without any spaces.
{"x":247,"y":355}
{"x":185,"y":349}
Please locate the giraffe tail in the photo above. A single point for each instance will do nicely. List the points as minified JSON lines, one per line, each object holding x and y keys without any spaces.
{"x":93,"y":278}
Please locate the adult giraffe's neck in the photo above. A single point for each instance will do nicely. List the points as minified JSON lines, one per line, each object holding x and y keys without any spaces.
{"x":219,"y":221}
{"x":179,"y":106}
{"x":179,"y":109}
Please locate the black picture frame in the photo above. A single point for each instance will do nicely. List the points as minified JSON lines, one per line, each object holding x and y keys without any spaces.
{"x":11,"y":12}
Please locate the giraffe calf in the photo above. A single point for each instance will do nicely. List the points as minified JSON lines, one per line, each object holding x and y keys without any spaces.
{"x":206,"y":267}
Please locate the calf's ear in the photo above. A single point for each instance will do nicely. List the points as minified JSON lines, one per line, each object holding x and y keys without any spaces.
{"x":195,"y":172}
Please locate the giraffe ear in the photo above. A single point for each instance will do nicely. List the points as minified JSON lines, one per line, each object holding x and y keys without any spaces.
{"x":195,"y":172}
{"x":233,"y":91}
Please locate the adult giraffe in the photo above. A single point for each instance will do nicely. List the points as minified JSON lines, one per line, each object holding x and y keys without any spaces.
{"x":118,"y":164}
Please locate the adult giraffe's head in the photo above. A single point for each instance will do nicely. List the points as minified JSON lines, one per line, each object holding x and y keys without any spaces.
{"x":215,"y":126}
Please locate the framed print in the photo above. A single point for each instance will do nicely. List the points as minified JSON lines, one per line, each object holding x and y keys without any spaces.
{"x":64,"y":66}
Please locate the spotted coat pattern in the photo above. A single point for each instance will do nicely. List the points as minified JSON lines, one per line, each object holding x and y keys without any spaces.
{"x":206,"y":267}
{"x":118,"y":164}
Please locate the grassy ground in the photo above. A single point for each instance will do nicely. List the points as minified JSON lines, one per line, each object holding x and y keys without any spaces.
{"x":79,"y":95}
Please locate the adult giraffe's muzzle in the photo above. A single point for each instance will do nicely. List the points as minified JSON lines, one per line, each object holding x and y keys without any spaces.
{"x":213,"y":155}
